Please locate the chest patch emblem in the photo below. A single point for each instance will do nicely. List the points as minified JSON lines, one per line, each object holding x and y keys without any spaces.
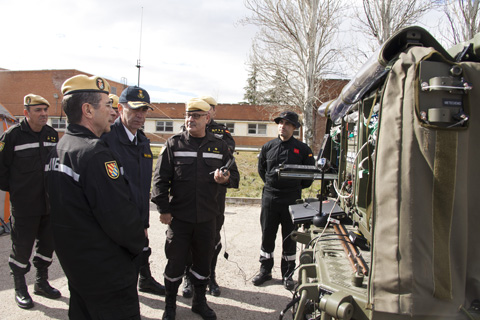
{"x":2,"y":145}
{"x":296,"y":150}
{"x":112,"y":169}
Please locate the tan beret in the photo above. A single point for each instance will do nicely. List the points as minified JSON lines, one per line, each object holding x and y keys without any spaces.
{"x":197,"y":104}
{"x":114,"y":100}
{"x":209,"y":100}
{"x":34,"y":100}
{"x":83,"y":83}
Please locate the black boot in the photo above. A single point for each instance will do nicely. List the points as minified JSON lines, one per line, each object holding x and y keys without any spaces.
{"x":187,"y":290}
{"x":42,"y":287}
{"x":22,"y":298}
{"x":171,"y":289}
{"x":199,"y":303}
{"x":147,"y":283}
{"x":213,"y":287}
{"x":288,"y":268}
{"x":265,"y":274}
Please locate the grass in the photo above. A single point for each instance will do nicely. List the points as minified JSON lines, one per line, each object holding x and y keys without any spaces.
{"x":251,"y":184}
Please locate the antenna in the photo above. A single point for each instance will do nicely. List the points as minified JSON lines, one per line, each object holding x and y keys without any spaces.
{"x":140,"y":49}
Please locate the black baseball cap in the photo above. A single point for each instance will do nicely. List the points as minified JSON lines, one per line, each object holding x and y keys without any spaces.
{"x":135,"y":97}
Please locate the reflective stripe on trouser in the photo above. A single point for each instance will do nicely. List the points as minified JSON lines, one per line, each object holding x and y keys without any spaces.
{"x":25,"y":230}
{"x":288,"y":266}
{"x":217,"y":244}
{"x":183,"y":238}
{"x":274,"y":213}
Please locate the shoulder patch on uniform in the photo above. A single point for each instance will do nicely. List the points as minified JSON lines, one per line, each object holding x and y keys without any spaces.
{"x":2,"y":145}
{"x":310,"y":154}
{"x":147,"y":155}
{"x":112,"y":169}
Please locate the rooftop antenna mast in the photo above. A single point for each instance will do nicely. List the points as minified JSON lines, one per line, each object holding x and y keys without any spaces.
{"x":140,"y":49}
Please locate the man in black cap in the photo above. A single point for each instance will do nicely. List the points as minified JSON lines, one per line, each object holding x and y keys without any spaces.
{"x":185,"y":184}
{"x":96,"y":227}
{"x":133,"y":148}
{"x":278,"y":195}
{"x":23,"y":151}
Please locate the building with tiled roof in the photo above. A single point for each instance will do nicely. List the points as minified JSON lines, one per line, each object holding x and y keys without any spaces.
{"x":250,"y":125}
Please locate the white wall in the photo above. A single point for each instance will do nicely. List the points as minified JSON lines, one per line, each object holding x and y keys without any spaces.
{"x":241,"y":127}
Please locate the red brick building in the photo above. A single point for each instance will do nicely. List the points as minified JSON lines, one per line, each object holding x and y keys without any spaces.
{"x":251,"y":125}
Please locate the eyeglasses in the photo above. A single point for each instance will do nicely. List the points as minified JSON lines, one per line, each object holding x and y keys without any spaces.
{"x":195,"y":116}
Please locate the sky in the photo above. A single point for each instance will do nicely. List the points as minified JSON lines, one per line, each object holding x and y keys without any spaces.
{"x":187,"y":48}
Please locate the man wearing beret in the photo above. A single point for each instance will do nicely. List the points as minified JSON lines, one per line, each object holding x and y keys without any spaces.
{"x":186,"y":182}
{"x":23,"y":152}
{"x":220,"y":131}
{"x":114,"y":100}
{"x":278,"y":194}
{"x":97,"y":230}
{"x":132,"y":146}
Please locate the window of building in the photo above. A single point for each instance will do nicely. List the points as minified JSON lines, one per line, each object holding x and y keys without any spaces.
{"x":230,"y":127}
{"x":60,"y":124}
{"x":257,"y":129}
{"x":164,"y":126}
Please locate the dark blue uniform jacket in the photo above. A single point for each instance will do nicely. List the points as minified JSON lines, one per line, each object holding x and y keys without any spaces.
{"x":137,"y":162}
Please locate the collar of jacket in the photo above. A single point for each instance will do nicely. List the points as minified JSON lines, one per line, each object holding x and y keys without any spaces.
{"x":24,"y":126}
{"x":78,"y":130}
{"x":292,"y":138}
{"x":118,"y":127}
{"x":211,"y":124}
{"x":208,"y":136}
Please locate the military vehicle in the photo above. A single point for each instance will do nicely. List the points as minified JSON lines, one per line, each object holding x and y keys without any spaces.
{"x":394,"y":233}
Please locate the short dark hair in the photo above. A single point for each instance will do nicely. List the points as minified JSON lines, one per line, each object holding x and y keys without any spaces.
{"x":72,"y":104}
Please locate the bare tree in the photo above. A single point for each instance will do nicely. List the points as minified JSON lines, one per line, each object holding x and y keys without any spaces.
{"x":463,"y":19}
{"x":380,"y":19}
{"x":293,"y":51}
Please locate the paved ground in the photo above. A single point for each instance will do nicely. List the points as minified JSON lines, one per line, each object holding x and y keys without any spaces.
{"x":240,"y":299}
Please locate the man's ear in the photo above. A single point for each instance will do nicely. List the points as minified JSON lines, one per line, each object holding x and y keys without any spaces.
{"x":25,"y":112}
{"x":87,"y":110}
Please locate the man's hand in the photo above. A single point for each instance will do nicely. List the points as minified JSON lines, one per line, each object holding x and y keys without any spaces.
{"x":220,"y":178}
{"x":166,"y":218}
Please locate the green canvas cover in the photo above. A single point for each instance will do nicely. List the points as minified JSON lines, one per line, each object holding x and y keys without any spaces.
{"x":426,"y":260}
